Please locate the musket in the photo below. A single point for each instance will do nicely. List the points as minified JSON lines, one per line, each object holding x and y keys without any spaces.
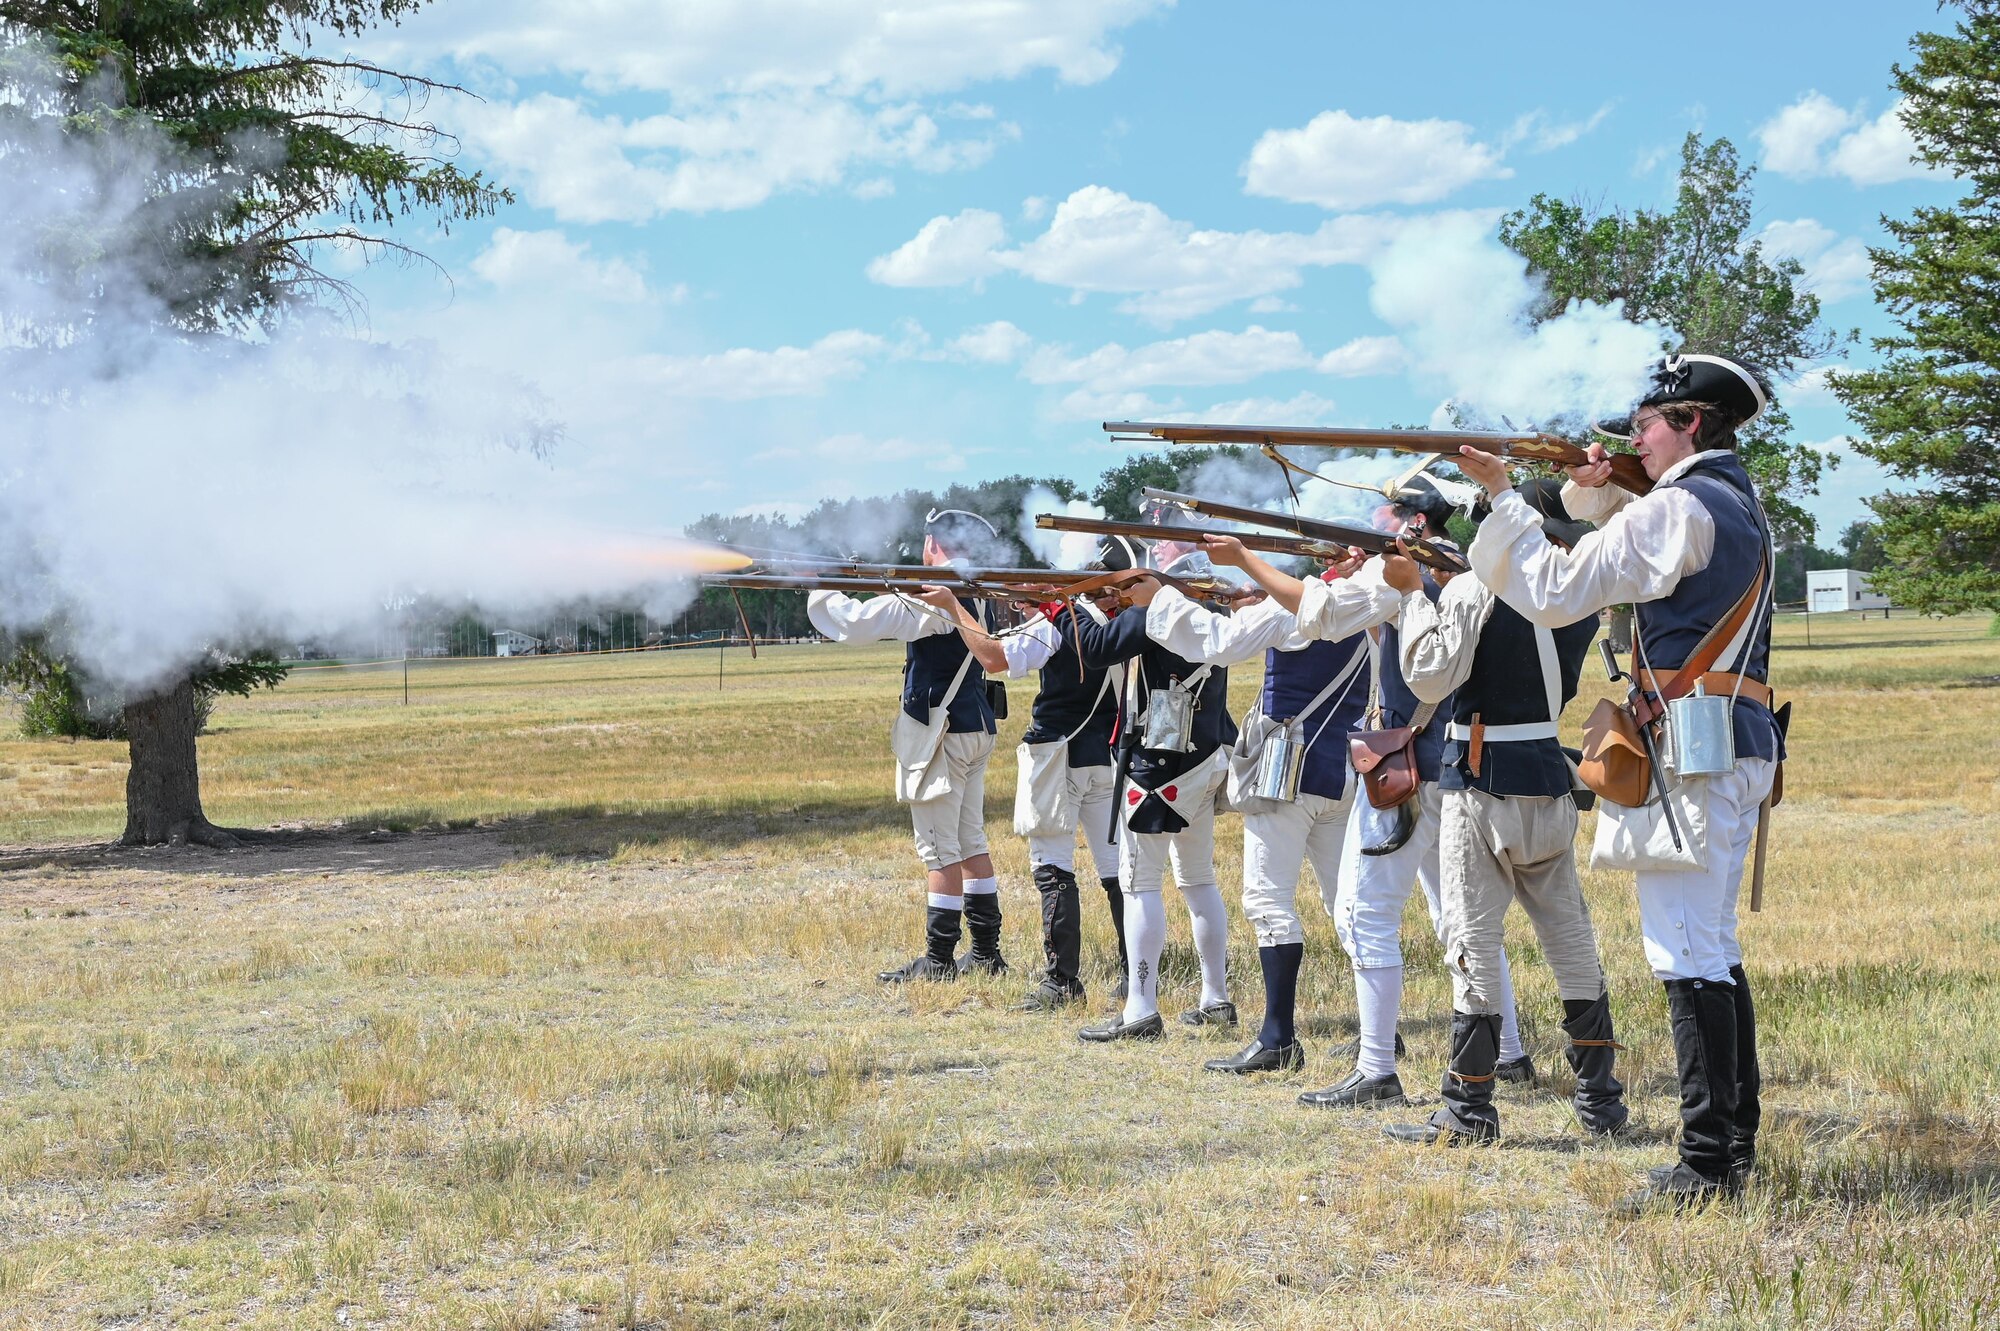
{"x":1262,"y":542}
{"x":1627,"y":472}
{"x":1032,"y":584}
{"x":1645,"y":710}
{"x":935,"y":574}
{"x":1421,"y":548}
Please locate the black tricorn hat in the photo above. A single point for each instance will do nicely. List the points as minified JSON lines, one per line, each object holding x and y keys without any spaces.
{"x":1114,"y":555}
{"x":1735,"y":387}
{"x":1419,"y":495}
{"x":1544,"y":495}
{"x":958,"y":530}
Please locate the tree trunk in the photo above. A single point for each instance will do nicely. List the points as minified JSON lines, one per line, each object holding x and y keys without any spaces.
{"x":163,"y":789}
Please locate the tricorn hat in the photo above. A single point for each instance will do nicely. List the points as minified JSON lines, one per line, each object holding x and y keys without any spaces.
{"x":1735,"y":387}
{"x":958,"y":530}
{"x":1544,"y":495}
{"x":1114,"y":555}
{"x":1420,"y":494}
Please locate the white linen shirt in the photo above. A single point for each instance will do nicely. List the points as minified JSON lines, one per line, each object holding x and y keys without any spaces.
{"x":1345,"y":606}
{"x":1643,"y":547}
{"x":887,"y":618}
{"x":1195,"y":633}
{"x":1437,"y":641}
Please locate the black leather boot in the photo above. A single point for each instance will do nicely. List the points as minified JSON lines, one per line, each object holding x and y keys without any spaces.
{"x":941,"y":930}
{"x":1593,"y":1048}
{"x":1467,"y":1116}
{"x":1114,"y":896}
{"x":982,"y":921}
{"x":1704,"y":1018}
{"x":1749,"y":1084}
{"x":1062,"y":926}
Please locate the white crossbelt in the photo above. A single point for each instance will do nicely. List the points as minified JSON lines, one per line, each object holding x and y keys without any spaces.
{"x":1504,"y":734}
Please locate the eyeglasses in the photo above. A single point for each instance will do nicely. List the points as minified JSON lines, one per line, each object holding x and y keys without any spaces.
{"x":1639,"y":423}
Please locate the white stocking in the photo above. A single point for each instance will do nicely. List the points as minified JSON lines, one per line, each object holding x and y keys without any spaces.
{"x":1210,"y":919}
{"x":1378,"y":997}
{"x":1145,"y":936}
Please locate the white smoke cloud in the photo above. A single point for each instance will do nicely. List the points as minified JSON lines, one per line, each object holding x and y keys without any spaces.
{"x":1062,"y":549}
{"x":162,"y":496}
{"x":1459,"y":303}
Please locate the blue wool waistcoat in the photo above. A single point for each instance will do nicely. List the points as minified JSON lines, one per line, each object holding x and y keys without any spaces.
{"x":1670,"y":628}
{"x":928,"y":666}
{"x":1293,"y":679}
{"x":1505,"y":689}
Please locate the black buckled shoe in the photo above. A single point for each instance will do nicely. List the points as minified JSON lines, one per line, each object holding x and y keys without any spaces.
{"x":1260,"y":1057}
{"x":1675,"y":1188}
{"x":972,"y":963}
{"x":1355,"y":1090}
{"x":1148,"y":1027}
{"x":923,"y":968}
{"x":1431,"y":1132}
{"x":1219,"y":1013}
{"x":1051,"y":996}
{"x":1518,"y":1070}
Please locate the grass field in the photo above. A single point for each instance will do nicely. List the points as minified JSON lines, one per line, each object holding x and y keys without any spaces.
{"x":555,"y":1008}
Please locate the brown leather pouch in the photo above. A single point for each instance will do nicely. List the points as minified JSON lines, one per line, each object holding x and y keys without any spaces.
{"x":1387,"y":763}
{"x":1614,"y":760}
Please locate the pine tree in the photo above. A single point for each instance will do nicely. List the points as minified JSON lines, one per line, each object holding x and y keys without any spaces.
{"x":1930,"y":412}
{"x":251,"y":154}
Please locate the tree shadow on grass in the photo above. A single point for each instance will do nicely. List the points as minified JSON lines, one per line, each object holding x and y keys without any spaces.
{"x":401,"y":841}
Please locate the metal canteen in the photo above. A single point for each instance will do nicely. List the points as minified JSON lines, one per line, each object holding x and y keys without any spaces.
{"x":1170,"y":718}
{"x":1704,"y":738}
{"x":1280,"y":764}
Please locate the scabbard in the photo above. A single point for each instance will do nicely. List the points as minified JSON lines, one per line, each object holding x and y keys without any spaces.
{"x":1757,"y":865}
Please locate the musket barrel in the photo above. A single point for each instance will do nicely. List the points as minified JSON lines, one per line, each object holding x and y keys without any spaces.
{"x":1521,"y":445}
{"x":1421,"y":549}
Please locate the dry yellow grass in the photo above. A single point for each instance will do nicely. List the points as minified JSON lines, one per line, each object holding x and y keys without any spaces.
{"x":609,"y":1052}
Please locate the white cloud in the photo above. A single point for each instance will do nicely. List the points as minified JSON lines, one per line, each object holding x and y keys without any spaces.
{"x":997,"y":343}
{"x":1087,"y":404}
{"x":1815,"y":136}
{"x":1340,"y":161}
{"x":948,"y":251}
{"x":1541,"y":133}
{"x":1837,"y":446}
{"x":742,"y":374}
{"x":1302,"y":409}
{"x":1836,"y":266}
{"x":1364,"y":356}
{"x":708,"y":47}
{"x":764,"y":95}
{"x":1272,"y":305}
{"x":1810,"y":388}
{"x":1100,"y":240}
{"x":1795,"y":139}
{"x":515,"y":259}
{"x":1214,"y":357}
{"x":1879,"y":152}
{"x":1034,"y":208}
{"x":586,"y":167}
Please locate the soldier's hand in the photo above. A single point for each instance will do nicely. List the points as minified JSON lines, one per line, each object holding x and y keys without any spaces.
{"x":1595,"y":472}
{"x":944,"y":598}
{"x":1141,"y":591}
{"x":1225,"y":550}
{"x":1486,"y":469}
{"x":1345,"y":566}
{"x":1400,"y":571}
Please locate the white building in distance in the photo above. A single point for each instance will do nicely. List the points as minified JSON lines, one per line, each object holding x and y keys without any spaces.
{"x":513,"y":642}
{"x":1831,"y":589}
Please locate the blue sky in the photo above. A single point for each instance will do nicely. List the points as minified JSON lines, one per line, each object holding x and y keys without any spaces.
{"x":769,"y":252}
